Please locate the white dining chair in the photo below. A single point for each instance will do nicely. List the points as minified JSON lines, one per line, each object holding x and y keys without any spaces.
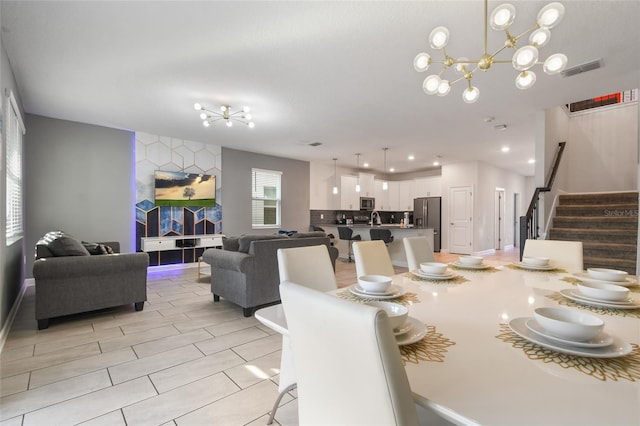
{"x":565,"y":254}
{"x":372,"y":258}
{"x":348,"y":365}
{"x":310,"y":266}
{"x":417,"y":250}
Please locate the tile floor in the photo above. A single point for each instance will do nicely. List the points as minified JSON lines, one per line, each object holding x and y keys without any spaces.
{"x":183,"y":360}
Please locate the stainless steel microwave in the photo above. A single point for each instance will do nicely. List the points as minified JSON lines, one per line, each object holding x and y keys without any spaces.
{"x":367,"y":203}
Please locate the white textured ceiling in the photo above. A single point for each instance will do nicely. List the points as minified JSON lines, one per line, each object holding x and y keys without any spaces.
{"x":339,"y":73}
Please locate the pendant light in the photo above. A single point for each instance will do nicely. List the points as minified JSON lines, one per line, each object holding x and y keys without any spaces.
{"x":385,"y":184}
{"x":335,"y":177}
{"x":358,"y":171}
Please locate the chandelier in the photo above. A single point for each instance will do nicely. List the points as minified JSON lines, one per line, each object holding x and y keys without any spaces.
{"x":523,"y":59}
{"x":208,"y":116}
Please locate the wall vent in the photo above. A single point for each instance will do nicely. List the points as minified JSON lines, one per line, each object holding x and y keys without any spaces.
{"x":579,"y":69}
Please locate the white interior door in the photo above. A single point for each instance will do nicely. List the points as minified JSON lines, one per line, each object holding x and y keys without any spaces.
{"x":461,"y":220}
{"x":499,"y":226}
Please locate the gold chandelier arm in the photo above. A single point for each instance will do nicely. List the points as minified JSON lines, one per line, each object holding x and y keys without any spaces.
{"x":525,"y":32}
{"x":486,"y":24}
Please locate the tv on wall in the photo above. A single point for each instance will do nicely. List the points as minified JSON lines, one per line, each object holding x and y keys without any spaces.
{"x":184,"y":189}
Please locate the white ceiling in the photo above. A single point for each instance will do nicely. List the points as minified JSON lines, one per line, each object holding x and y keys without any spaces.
{"x":339,"y":73}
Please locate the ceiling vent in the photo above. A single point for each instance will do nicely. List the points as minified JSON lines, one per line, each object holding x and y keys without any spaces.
{"x":579,"y":69}
{"x":315,"y":144}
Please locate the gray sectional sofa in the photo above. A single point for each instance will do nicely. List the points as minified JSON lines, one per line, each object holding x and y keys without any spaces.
{"x":245,"y":271}
{"x":72,"y":277}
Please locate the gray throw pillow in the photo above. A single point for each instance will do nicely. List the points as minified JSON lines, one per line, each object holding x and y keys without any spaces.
{"x":67,"y":246}
{"x":231,"y":243}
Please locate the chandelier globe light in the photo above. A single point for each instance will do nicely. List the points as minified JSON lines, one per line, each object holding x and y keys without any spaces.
{"x":523,"y":59}
{"x":209,"y":116}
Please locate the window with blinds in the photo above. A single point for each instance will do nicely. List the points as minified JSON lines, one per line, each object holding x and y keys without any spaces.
{"x":14,"y":128}
{"x":265,"y":198}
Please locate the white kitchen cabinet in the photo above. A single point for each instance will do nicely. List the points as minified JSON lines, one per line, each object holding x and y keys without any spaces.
{"x":382,"y":197}
{"x":428,"y":187}
{"x":394,"y":195}
{"x":367,"y":185}
{"x":349,"y":198}
{"x":406,"y":195}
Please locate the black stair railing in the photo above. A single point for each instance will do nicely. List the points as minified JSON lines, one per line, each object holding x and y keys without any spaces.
{"x":529,"y":224}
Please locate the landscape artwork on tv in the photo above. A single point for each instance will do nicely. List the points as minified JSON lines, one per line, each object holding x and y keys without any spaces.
{"x":185,"y":189}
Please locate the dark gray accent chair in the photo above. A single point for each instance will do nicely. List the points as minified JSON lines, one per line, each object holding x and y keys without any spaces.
{"x":245,"y":271}
{"x":70,"y":280}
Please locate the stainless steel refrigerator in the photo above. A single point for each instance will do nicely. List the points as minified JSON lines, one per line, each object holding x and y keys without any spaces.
{"x":426,"y":214}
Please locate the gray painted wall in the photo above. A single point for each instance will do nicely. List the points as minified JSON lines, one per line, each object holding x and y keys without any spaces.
{"x":236,"y":191}
{"x":12,"y":255}
{"x":79,"y":178}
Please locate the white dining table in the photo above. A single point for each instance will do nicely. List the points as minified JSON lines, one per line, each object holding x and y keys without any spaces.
{"x":472,"y":363}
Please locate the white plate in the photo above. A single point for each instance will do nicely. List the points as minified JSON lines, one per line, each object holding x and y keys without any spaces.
{"x":392,"y":289}
{"x":396,"y":291}
{"x":583,"y":276}
{"x":601,"y":340}
{"x":417,"y":332}
{"x":617,"y":349}
{"x":572,"y":294}
{"x":446,"y":276}
{"x":522,"y":265}
{"x":578,"y":295}
{"x":404,"y":328}
{"x":463,"y":266}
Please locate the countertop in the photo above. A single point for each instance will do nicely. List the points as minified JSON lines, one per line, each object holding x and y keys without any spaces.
{"x":366,"y":225}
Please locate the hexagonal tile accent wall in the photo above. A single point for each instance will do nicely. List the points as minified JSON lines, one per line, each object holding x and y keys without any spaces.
{"x":175,"y":155}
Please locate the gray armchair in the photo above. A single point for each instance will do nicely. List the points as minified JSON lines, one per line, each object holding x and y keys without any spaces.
{"x":70,"y":280}
{"x":246,"y":271}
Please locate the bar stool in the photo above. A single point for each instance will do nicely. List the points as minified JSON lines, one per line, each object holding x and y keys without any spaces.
{"x":346,"y":233}
{"x":381,"y":234}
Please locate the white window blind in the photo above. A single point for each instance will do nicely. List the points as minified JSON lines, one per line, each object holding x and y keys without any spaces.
{"x":14,"y":128}
{"x":265,"y":198}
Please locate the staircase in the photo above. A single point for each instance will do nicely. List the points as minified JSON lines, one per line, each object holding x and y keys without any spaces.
{"x":607,"y":225}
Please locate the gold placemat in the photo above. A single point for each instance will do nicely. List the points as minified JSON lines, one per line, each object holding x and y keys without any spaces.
{"x":575,"y":281}
{"x":489,"y":269}
{"x":406,"y":299}
{"x":431,"y":348}
{"x":550,"y":271}
{"x":622,"y":368}
{"x":458,"y":279}
{"x":627,"y":313}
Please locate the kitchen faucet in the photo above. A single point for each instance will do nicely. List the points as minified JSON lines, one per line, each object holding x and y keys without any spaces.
{"x":378,"y":221}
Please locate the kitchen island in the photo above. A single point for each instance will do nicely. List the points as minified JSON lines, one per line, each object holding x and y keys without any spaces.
{"x":396,"y":247}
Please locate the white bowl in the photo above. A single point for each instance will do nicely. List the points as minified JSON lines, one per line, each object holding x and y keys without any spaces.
{"x":374,"y":283}
{"x":434,"y":268}
{"x":604,"y":291}
{"x":536,"y":261}
{"x":607,"y":274}
{"x":569,"y":324}
{"x":471,"y":260}
{"x":397,"y":313}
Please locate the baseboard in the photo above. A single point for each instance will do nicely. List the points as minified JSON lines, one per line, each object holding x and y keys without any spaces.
{"x":6,"y":328}
{"x":489,"y":252}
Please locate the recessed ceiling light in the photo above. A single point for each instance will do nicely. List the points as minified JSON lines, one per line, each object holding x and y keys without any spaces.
{"x":500,"y":127}
{"x":435,"y":163}
{"x":392,"y":169}
{"x":365,"y":165}
{"x":505,"y":149}
{"x":411,"y":157}
{"x":531,"y":161}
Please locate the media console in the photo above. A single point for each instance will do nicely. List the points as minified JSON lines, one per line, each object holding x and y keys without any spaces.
{"x":179,"y":248}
